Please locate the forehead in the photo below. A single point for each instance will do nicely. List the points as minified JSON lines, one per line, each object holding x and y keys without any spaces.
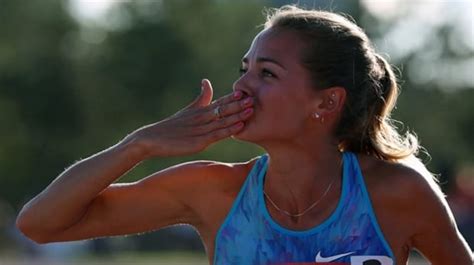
{"x":282,"y":45}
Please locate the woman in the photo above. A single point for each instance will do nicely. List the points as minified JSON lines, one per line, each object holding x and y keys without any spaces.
{"x":337,"y":185}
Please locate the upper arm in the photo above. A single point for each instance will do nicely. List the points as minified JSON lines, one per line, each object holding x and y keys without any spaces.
{"x":167,"y":197}
{"x":435,"y":233}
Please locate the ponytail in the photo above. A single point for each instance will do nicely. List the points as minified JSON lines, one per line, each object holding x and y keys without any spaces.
{"x":385,"y":141}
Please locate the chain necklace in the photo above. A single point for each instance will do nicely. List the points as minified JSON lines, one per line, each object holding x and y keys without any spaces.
{"x":310,"y":207}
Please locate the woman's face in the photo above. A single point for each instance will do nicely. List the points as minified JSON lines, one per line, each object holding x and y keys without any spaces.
{"x":284,"y":96}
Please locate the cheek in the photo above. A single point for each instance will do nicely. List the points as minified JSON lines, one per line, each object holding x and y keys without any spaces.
{"x":282,"y":110}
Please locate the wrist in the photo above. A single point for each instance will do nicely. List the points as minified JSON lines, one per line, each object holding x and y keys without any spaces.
{"x":134,"y":149}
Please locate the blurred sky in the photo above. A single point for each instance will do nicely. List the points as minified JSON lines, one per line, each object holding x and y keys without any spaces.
{"x":91,"y":10}
{"x":415,"y":31}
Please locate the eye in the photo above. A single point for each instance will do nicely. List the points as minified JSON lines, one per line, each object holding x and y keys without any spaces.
{"x":242,"y":71}
{"x":267,"y":73}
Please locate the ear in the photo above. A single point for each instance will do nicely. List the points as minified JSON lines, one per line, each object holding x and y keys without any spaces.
{"x":330,"y":101}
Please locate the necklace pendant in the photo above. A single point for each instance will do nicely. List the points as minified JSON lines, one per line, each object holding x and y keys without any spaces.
{"x":294,"y":219}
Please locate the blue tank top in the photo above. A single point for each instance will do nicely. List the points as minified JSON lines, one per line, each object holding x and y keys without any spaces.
{"x":351,"y":235}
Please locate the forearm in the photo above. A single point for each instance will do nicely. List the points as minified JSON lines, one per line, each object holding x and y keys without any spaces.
{"x":68,"y":196}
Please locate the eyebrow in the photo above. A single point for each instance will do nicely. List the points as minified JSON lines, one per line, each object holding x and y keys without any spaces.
{"x":264,"y":59}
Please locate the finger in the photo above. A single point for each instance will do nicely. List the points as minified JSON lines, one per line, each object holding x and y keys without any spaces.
{"x":227,"y":109}
{"x":228,"y":105}
{"x":223,"y":132}
{"x":208,"y":92}
{"x":235,"y":96}
{"x":235,"y":107}
{"x":227,"y":121}
{"x":205,"y":97}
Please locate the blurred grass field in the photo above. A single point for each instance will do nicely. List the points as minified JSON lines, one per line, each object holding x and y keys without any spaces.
{"x":133,"y":258}
{"x":122,"y":258}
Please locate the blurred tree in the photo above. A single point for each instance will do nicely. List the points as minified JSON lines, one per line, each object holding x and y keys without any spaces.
{"x":40,"y":115}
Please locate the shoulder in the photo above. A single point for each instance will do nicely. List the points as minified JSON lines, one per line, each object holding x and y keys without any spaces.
{"x":225,"y":170}
{"x":195,"y":182}
{"x":213,"y":175}
{"x":200,"y":182}
{"x":413,"y":210}
{"x":213,"y":183}
{"x":401,"y":181}
{"x":405,"y":191}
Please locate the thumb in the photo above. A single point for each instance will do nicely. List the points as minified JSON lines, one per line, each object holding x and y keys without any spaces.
{"x":206,"y":95}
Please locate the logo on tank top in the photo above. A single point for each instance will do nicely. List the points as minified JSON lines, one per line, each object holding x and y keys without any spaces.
{"x":354,"y":260}
{"x":322,"y":259}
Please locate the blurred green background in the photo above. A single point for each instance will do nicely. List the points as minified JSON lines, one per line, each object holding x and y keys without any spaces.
{"x":77,"y":76}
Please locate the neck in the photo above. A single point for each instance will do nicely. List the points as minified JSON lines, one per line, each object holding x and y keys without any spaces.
{"x":297,"y":176}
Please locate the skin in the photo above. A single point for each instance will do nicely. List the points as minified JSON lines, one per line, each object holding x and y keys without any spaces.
{"x":283,"y":100}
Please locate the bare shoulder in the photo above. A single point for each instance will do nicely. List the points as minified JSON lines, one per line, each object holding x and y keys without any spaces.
{"x":223,"y":175}
{"x":399,"y":182}
{"x":218,"y":184}
{"x":404,"y":193}
{"x":208,"y":172}
{"x":412,"y":211}
{"x":211,"y":180}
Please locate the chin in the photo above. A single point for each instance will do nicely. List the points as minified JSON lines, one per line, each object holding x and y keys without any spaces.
{"x":243,"y":134}
{"x":250,"y":133}
{"x":240,"y":135}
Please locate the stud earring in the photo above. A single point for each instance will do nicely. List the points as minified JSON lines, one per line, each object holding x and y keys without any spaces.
{"x":316,"y":115}
{"x":333,"y":95}
{"x":330,"y":102}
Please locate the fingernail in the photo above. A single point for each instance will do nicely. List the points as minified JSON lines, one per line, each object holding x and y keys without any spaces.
{"x":248,"y":111}
{"x":237,"y":94}
{"x":247,"y":101}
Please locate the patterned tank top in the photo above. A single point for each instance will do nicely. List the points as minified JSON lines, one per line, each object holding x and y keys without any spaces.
{"x":349,"y":236}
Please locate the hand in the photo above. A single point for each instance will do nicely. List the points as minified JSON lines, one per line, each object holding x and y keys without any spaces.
{"x":194,"y":127}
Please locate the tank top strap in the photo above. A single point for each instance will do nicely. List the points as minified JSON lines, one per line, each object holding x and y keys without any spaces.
{"x":238,"y":227}
{"x":365,"y":204}
{"x":250,"y":189}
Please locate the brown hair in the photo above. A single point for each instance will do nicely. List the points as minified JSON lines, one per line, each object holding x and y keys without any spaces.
{"x":339,"y":53}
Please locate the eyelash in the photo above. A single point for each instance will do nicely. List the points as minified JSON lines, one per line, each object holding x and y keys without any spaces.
{"x":264,"y":72}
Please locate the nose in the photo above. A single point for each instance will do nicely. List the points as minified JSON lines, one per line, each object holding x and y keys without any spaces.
{"x":242,"y":85}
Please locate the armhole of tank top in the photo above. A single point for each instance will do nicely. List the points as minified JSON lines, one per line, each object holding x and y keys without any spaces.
{"x":371,"y":209}
{"x":234,"y":206}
